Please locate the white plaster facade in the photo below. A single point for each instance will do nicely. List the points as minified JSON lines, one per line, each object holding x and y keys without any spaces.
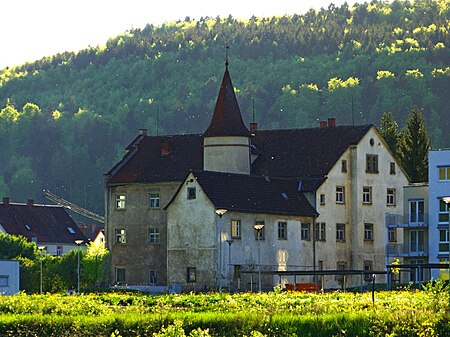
{"x":197,"y":238}
{"x":9,"y":277}
{"x":357,"y":251}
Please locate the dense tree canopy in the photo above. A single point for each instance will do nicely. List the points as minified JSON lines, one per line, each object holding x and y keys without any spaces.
{"x":65,"y":119}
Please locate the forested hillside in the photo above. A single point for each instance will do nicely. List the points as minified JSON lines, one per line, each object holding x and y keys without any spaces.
{"x":66,"y":119}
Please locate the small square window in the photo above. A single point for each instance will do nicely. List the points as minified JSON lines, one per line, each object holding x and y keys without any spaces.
{"x":191,"y":193}
{"x":236,"y":229}
{"x":282,"y":230}
{"x":120,"y":236}
{"x":191,"y":275}
{"x":153,"y":235}
{"x":368,"y":232}
{"x":120,"y":201}
{"x":153,"y":199}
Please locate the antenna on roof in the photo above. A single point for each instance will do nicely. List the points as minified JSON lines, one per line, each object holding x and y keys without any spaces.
{"x":226,"y":61}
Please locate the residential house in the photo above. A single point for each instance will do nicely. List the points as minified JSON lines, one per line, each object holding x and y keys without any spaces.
{"x":9,"y":277}
{"x":439,"y":191}
{"x":48,"y":225}
{"x":321,"y":195}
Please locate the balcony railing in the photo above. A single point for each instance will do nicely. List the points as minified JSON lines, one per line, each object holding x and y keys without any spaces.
{"x":408,"y":220}
{"x":406,"y":249}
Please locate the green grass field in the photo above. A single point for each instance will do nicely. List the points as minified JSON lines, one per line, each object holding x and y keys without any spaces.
{"x":397,"y":313}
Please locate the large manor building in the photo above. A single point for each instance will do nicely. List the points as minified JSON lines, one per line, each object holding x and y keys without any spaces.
{"x":233,"y":206}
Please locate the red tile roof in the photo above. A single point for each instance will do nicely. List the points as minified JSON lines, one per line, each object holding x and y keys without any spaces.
{"x":47,"y":223}
{"x":226,"y":119}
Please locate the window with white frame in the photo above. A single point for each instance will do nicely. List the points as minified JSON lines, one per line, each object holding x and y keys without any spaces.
{"x":153,"y":235}
{"x":340,"y":232}
{"x":236,"y":229}
{"x":368,"y":232}
{"x":305,"y":231}
{"x":340,"y":194}
{"x":390,"y":197}
{"x":444,"y":173}
{"x":367,"y":194}
{"x":320,"y":231}
{"x":120,"y":201}
{"x":120,"y":236}
{"x":282,"y":230}
{"x":59,"y":250}
{"x":153,"y":199}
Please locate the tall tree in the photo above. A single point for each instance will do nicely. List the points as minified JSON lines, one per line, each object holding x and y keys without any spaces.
{"x":389,"y":131}
{"x":413,"y":147}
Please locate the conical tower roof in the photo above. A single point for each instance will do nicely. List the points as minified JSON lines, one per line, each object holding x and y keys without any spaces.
{"x":227,"y":118}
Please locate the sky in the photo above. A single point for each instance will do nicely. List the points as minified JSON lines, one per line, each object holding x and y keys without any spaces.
{"x":32,"y":29}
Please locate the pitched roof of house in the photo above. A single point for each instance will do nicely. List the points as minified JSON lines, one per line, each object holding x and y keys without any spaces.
{"x":306,"y":154}
{"x":303,"y":152}
{"x":46,"y":223}
{"x":256,"y":194}
{"x":147,"y":160}
{"x":226,"y":119}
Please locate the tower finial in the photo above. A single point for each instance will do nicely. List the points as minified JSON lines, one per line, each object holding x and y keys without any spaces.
{"x":226,"y":61}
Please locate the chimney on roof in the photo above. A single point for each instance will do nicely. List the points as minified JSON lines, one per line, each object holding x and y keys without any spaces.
{"x":323,"y":124}
{"x":5,"y":201}
{"x":143,"y":132}
{"x":30,"y":202}
{"x":331,"y":122}
{"x":165,"y":148}
{"x":253,"y":127}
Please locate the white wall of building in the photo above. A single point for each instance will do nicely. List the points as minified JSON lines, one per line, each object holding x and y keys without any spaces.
{"x":9,"y":277}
